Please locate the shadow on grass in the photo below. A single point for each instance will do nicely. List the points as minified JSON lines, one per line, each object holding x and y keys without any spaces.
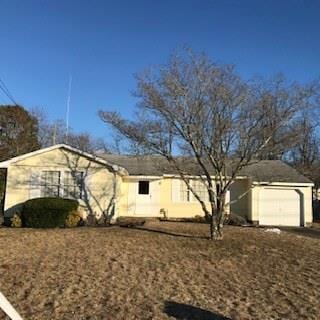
{"x":306,"y":232}
{"x":174,"y":234}
{"x":183,"y":311}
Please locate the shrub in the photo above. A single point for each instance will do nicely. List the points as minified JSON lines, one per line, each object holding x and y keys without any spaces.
{"x":47,"y":212}
{"x":16,"y":221}
{"x":73,"y":219}
{"x":235,"y":220}
{"x":130,"y":222}
{"x":196,"y":219}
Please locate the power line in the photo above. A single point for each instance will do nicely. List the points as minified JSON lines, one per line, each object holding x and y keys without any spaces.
{"x":6,"y":91}
{"x":3,"y":98}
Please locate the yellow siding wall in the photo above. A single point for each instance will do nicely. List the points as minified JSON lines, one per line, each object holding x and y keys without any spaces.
{"x":177,"y":209}
{"x":173,"y":209}
{"x":123,"y":199}
{"x":99,"y":181}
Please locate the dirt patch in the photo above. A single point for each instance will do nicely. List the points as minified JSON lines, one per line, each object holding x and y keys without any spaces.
{"x":168,"y":271}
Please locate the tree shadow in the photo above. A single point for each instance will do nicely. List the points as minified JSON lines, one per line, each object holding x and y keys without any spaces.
{"x":174,"y":234}
{"x":305,"y":232}
{"x":99,"y":205}
{"x":183,"y":311}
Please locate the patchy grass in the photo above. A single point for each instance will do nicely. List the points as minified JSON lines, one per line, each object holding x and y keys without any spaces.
{"x":120,"y":273}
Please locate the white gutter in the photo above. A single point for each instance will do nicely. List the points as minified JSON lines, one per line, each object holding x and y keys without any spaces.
{"x":290,"y":184}
{"x":131,"y":177}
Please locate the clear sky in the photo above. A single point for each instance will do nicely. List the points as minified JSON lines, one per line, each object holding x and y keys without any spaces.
{"x":103,"y":43}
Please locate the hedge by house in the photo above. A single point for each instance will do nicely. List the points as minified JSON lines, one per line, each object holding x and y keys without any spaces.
{"x":47,"y":212}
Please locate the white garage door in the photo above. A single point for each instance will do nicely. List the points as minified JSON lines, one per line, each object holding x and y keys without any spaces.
{"x":279,"y":207}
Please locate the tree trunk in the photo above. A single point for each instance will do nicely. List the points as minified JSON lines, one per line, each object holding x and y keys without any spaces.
{"x":215,"y":227}
{"x":217,"y":217}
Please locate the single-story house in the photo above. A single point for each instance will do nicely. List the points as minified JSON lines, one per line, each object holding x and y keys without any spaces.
{"x":266,"y":193}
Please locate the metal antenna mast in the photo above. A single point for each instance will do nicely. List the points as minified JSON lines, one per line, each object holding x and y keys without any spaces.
{"x":68,"y":108}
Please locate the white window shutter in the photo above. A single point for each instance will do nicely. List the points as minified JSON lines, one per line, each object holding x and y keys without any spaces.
{"x":35,"y":184}
{"x":175,"y":190}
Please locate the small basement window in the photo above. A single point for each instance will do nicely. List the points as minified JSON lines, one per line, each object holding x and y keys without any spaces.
{"x":143,"y":187}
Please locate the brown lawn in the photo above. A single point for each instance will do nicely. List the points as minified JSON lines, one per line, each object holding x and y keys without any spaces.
{"x":120,"y":273}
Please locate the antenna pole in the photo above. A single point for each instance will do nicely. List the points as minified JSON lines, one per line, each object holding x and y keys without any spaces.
{"x":54,"y":134}
{"x":68,"y":108}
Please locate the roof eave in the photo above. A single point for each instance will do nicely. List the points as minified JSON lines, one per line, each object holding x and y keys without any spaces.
{"x":115,"y":168}
{"x":291,"y":183}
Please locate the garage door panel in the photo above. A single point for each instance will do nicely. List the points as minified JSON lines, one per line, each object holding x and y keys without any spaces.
{"x":279,"y":207}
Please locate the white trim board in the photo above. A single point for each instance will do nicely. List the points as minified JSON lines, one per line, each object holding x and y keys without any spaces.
{"x":92,"y":157}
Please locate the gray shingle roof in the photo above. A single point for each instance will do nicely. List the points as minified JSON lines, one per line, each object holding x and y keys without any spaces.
{"x":153,"y":165}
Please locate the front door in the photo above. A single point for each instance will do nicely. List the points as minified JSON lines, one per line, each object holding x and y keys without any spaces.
{"x":147,"y":198}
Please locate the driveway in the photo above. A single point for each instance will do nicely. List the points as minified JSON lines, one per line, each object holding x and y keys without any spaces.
{"x":313,"y":232}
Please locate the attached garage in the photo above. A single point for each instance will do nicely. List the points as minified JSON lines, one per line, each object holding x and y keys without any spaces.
{"x":280,"y":207}
{"x":271,"y":193}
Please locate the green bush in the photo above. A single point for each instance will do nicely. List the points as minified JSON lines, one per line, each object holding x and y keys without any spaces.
{"x":47,"y":212}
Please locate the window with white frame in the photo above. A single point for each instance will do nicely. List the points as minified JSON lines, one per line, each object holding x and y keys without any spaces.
{"x":186,"y":195}
{"x":184,"y":192}
{"x":73,"y":184}
{"x":200,"y":189}
{"x":65,"y":184}
{"x":50,"y":183}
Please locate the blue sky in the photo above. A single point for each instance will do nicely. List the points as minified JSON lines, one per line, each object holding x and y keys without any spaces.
{"x":103,"y":43}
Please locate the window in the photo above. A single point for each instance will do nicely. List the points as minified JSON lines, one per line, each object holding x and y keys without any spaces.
{"x":73,"y":184}
{"x":200,"y":189}
{"x":50,"y":183}
{"x":184,"y":192}
{"x":143,"y":187}
{"x":62,"y":184}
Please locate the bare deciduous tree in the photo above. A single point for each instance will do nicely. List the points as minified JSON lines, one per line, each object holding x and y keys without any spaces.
{"x":51,"y":133}
{"x":304,"y":154}
{"x":205,"y":111}
{"x":275,"y":95}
